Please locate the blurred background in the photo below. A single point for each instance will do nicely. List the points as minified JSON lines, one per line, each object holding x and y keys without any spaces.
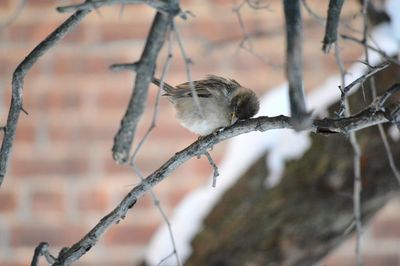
{"x":62,"y":180}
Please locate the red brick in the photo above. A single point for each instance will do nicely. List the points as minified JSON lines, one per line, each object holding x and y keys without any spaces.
{"x":386,"y":228}
{"x":124,"y":31}
{"x":32,"y":235}
{"x":42,"y":3}
{"x":93,"y":200}
{"x":77,"y":35}
{"x":8,"y":201}
{"x":67,"y":98}
{"x":29,"y":32}
{"x":5,"y":4}
{"x":25,"y":129}
{"x":37,"y":166}
{"x":111,"y":167}
{"x":47,"y":201}
{"x":121,"y":234}
{"x":67,"y":63}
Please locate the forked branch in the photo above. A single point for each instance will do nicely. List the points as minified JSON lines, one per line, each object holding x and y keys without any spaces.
{"x":367,"y":118}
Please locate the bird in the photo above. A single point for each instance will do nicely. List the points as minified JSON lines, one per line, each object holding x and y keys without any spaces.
{"x":222,"y":102}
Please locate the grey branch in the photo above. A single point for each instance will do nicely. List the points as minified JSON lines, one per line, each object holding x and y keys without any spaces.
{"x":167,"y":7}
{"x":122,"y":67}
{"x":18,"y":83}
{"x":365,"y":44}
{"x":367,"y":118}
{"x":144,"y":72}
{"x":294,"y":63}
{"x":214,"y":166}
{"x":335,"y":7}
{"x":42,"y":250}
{"x":360,"y":80}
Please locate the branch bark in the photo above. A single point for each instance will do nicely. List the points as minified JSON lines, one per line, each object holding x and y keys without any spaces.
{"x":168,"y":7}
{"x":18,"y":84}
{"x":294,"y":63}
{"x":334,"y":9}
{"x":144,"y":72}
{"x":366,"y":118}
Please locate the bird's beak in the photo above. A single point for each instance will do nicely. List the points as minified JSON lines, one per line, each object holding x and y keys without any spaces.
{"x":233,"y":118}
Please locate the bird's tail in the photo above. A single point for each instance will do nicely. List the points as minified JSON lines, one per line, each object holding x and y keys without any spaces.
{"x":166,"y":87}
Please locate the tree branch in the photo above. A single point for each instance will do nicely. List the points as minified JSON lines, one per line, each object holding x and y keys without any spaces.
{"x":294,"y":62}
{"x":367,"y":118}
{"x":360,"y":80}
{"x":18,"y":83}
{"x":335,"y":7}
{"x":365,"y":44}
{"x":167,"y":7}
{"x":144,"y":72}
{"x":42,"y":250}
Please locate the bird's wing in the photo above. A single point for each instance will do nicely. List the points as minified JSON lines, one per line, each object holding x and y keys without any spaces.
{"x":201,"y":87}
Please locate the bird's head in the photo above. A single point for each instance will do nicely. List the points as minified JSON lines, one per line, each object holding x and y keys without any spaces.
{"x":245,"y":104}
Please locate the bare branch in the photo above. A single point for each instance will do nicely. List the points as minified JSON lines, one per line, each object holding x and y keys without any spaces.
{"x":214,"y":166}
{"x":317,"y":17}
{"x":334,"y":9}
{"x":356,"y":159}
{"x":157,"y":102}
{"x":166,"y":7}
{"x":156,"y":202}
{"x":42,"y":250}
{"x":294,"y":62}
{"x":367,"y":118}
{"x":188,"y":63}
{"x":364,"y":43}
{"x":122,"y":67}
{"x":346,"y":90}
{"x":18,"y":84}
{"x":144,"y":73}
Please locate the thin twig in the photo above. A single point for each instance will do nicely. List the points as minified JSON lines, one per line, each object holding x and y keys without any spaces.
{"x":18,"y":84}
{"x":383,"y":99}
{"x":142,"y":141}
{"x":361,"y":42}
{"x":166,"y":7}
{"x":156,"y":203}
{"x":357,"y":165}
{"x":157,"y":102}
{"x":124,"y":66}
{"x":311,"y":12}
{"x":389,"y":153}
{"x":215,"y":168}
{"x":246,"y":39}
{"x":188,"y":63}
{"x":144,"y":72}
{"x":345,"y":91}
{"x":42,"y":250}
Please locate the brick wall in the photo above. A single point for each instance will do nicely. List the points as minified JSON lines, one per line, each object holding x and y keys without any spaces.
{"x":62,"y":179}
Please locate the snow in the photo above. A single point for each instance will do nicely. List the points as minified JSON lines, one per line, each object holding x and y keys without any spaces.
{"x":242,"y":151}
{"x":392,"y":8}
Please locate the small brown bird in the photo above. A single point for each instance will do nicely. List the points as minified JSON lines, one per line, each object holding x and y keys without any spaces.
{"x":223,"y":101}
